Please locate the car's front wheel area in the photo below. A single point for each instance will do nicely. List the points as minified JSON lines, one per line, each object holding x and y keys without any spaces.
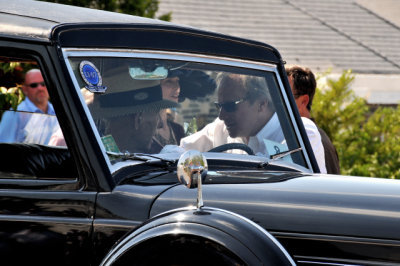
{"x":179,"y":250}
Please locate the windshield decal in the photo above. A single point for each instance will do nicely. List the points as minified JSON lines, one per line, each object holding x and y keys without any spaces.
{"x":91,"y":75}
{"x":110,"y":144}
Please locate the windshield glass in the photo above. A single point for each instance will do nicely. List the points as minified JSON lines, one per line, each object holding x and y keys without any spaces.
{"x":158,"y":106}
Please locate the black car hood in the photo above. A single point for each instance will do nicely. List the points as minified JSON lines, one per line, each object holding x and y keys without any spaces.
{"x":219,"y":177}
{"x":223,"y":169}
{"x":312,"y":204}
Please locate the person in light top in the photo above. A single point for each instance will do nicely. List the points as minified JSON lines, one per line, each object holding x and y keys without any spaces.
{"x":24,"y":125}
{"x":246,"y":115}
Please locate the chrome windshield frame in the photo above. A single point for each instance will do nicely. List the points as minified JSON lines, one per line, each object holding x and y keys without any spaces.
{"x":196,"y":58}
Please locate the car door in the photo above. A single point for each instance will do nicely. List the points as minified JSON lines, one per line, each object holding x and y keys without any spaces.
{"x":46,"y":209}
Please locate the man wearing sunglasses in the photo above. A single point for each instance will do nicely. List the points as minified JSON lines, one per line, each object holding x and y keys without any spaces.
{"x":19,"y":127}
{"x":246,"y":115}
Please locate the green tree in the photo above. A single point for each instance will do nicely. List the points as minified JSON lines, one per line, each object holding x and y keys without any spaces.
{"x":142,"y":8}
{"x":11,"y":78}
{"x":367,"y":142}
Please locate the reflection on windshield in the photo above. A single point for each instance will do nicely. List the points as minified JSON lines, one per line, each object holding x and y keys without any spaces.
{"x":187,"y":105}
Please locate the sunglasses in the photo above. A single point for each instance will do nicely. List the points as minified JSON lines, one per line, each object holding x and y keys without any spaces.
{"x":36,"y":84}
{"x":229,"y":106}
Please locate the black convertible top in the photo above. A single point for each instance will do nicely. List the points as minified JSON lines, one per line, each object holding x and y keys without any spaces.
{"x":71,"y":26}
{"x":36,"y":19}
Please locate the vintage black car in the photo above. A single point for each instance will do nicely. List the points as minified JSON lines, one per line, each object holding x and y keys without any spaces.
{"x":139,"y":107}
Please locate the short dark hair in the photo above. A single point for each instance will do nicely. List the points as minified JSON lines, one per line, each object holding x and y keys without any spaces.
{"x":303,"y":81}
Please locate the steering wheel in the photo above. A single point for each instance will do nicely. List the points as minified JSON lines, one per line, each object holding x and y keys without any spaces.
{"x":233,"y":146}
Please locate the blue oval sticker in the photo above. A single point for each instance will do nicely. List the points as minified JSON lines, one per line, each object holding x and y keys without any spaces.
{"x":91,"y":75}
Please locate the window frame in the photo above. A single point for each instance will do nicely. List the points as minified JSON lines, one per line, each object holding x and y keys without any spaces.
{"x":38,"y":53}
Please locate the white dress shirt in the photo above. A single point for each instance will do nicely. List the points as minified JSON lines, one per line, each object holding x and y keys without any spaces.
{"x":316,"y":143}
{"x":268,"y":141}
{"x":216,"y":134}
{"x":28,"y":127}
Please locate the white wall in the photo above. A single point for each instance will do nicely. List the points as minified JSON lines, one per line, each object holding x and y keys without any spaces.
{"x":376,"y":89}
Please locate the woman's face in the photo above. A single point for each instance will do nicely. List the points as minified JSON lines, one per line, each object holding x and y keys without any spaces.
{"x":171,"y":89}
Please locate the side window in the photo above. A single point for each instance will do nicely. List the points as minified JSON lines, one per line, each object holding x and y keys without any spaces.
{"x":32,"y":145}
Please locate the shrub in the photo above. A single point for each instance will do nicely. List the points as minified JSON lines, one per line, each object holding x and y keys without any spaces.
{"x":11,"y":76}
{"x":367,"y":142}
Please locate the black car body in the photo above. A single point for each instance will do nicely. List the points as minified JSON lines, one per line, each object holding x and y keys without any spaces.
{"x":86,"y":203}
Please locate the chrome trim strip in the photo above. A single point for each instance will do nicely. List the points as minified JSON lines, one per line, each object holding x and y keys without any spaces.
{"x":291,"y":115}
{"x":339,"y":262}
{"x":325,"y":263}
{"x":87,"y":112}
{"x":47,"y":219}
{"x":337,"y":238}
{"x":152,"y":54}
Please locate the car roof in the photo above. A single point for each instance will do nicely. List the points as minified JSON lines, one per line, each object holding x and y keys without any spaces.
{"x":43,"y":17}
{"x":72,"y":26}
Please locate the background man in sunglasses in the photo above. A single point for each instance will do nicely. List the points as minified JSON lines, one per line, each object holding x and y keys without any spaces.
{"x":246,"y":115}
{"x":19,"y":127}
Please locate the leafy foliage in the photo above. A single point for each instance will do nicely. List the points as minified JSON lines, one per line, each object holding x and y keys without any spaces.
{"x":10,"y":98}
{"x":11,"y":78}
{"x":143,"y":8}
{"x":367,"y":142}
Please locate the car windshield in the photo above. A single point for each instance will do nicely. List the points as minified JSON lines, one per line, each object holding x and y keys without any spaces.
{"x":158,"y":104}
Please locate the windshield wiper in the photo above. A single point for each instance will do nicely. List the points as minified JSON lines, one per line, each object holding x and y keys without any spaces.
{"x":279,"y":156}
{"x":143,"y":157}
{"x":284,"y":154}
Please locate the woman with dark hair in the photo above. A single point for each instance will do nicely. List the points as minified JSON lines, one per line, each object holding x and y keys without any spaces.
{"x":168,"y":131}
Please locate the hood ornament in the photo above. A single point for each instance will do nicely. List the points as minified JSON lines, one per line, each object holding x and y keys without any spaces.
{"x":192,"y":170}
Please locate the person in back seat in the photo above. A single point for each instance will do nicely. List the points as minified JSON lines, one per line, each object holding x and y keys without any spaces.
{"x":23,"y":126}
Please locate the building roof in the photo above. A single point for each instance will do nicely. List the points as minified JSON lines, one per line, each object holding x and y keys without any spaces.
{"x":386,"y":9}
{"x":320,"y":34}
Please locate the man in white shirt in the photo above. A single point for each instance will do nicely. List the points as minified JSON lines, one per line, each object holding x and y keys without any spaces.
{"x":303,"y":85}
{"x":246,"y":115}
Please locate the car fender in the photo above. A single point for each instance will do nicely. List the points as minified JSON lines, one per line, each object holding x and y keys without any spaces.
{"x":242,"y":238}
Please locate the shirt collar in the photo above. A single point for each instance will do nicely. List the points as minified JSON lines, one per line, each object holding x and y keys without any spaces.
{"x":267,"y":131}
{"x":33,"y":108}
